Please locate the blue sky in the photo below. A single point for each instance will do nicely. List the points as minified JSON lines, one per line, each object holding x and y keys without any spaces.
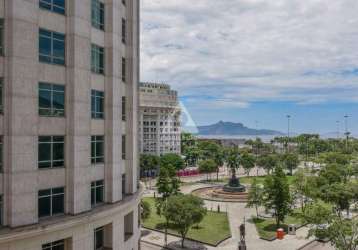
{"x":248,"y":60}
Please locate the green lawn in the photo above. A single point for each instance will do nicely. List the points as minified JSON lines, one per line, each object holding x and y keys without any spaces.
{"x":266,"y":228}
{"x":213,"y":228}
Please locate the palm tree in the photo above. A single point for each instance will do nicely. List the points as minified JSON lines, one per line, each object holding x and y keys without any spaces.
{"x":233,"y":162}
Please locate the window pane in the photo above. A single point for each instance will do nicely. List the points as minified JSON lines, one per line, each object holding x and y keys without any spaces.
{"x":93,"y":196}
{"x":99,"y":195}
{"x":44,"y":206}
{"x":45,"y":99}
{"x":58,"y":204}
{"x":99,"y":149}
{"x":51,"y":47}
{"x":99,"y":239}
{"x":44,"y":155}
{"x":45,"y":45}
{"x":58,"y":49}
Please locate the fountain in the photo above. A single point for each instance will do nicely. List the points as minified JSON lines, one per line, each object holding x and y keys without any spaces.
{"x":234,"y":191}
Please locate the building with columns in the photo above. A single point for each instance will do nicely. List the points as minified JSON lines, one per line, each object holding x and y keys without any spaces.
{"x":159,"y":119}
{"x":69,"y":72}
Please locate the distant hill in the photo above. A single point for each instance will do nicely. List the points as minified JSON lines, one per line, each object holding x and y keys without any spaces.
{"x":231,"y":128}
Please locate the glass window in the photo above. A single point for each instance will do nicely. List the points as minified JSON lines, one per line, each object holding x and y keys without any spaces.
{"x":1,"y":209}
{"x":1,"y":36}
{"x":56,"y":245}
{"x":1,"y":158}
{"x":97,"y":14}
{"x":51,"y":99}
{"x":123,"y":30}
{"x":97,"y":192}
{"x":97,"y":149}
{"x":57,"y":6}
{"x":51,"y":201}
{"x":1,"y":96}
{"x":123,"y":147}
{"x":123,"y":184}
{"x":51,"y":47}
{"x":51,"y":151}
{"x":123,"y":69}
{"x":99,"y":238}
{"x":128,"y":226}
{"x":123,"y":108}
{"x":97,"y":59}
{"x":97,"y":104}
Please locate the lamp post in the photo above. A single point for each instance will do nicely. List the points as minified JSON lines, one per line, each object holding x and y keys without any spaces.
{"x":288,"y":133}
{"x":347,"y":133}
{"x":257,"y":147}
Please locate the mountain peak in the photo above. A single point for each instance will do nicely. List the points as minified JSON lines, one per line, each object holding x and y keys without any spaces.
{"x":231,"y":128}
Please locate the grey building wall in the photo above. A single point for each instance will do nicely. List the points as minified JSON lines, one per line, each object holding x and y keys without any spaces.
{"x":20,"y":125}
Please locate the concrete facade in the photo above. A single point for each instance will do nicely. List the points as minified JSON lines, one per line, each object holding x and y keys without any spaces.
{"x":21,"y":125}
{"x":159,"y":119}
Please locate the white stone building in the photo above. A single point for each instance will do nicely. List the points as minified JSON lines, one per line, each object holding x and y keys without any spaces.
{"x":159,"y":119}
{"x":68,"y":124}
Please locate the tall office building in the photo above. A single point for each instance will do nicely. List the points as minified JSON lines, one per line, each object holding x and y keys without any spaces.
{"x":159,"y":119}
{"x":68,"y":124}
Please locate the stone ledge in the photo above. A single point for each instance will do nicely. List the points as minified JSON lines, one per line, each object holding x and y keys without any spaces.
{"x":54,"y":224}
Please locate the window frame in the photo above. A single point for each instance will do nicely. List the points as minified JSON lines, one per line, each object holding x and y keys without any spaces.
{"x":124,"y":151}
{"x":98,"y":58}
{"x":98,"y":15}
{"x":95,"y":139}
{"x":124,"y":113}
{"x":51,"y":245}
{"x":51,"y":196}
{"x":1,"y":95}
{"x":50,"y":140}
{"x":99,"y":229}
{"x":124,"y":31}
{"x":52,"y":111}
{"x":2,"y":40}
{"x":53,"y":7}
{"x":124,"y":70}
{"x":98,"y":98}
{"x":1,"y":210}
{"x":94,"y":186}
{"x":51,"y":59}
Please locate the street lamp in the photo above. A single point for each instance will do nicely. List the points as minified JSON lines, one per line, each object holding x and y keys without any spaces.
{"x":347,"y":133}
{"x":288,"y":132}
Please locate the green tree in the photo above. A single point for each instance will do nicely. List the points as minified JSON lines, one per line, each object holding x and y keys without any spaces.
{"x":183,"y":211}
{"x":145,"y":210}
{"x":167,"y":185}
{"x":277,"y":194}
{"x":290,"y":161}
{"x":148,"y":163}
{"x":233,"y":162}
{"x":248,"y":162}
{"x":340,"y":194}
{"x":342,"y":233}
{"x":303,"y":186}
{"x":172,"y":159}
{"x":267,"y":162}
{"x":187,"y":140}
{"x":167,"y":182}
{"x":191,"y":155}
{"x":255,"y":196}
{"x":207,"y":166}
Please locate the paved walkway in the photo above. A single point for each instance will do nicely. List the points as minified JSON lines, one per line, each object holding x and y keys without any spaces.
{"x":237,"y":213}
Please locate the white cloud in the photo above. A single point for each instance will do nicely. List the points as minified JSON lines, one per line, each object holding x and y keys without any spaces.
{"x":233,"y":52}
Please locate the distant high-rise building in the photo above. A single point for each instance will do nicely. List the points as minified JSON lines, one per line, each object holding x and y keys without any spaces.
{"x":159,"y":119}
{"x":68,"y":124}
